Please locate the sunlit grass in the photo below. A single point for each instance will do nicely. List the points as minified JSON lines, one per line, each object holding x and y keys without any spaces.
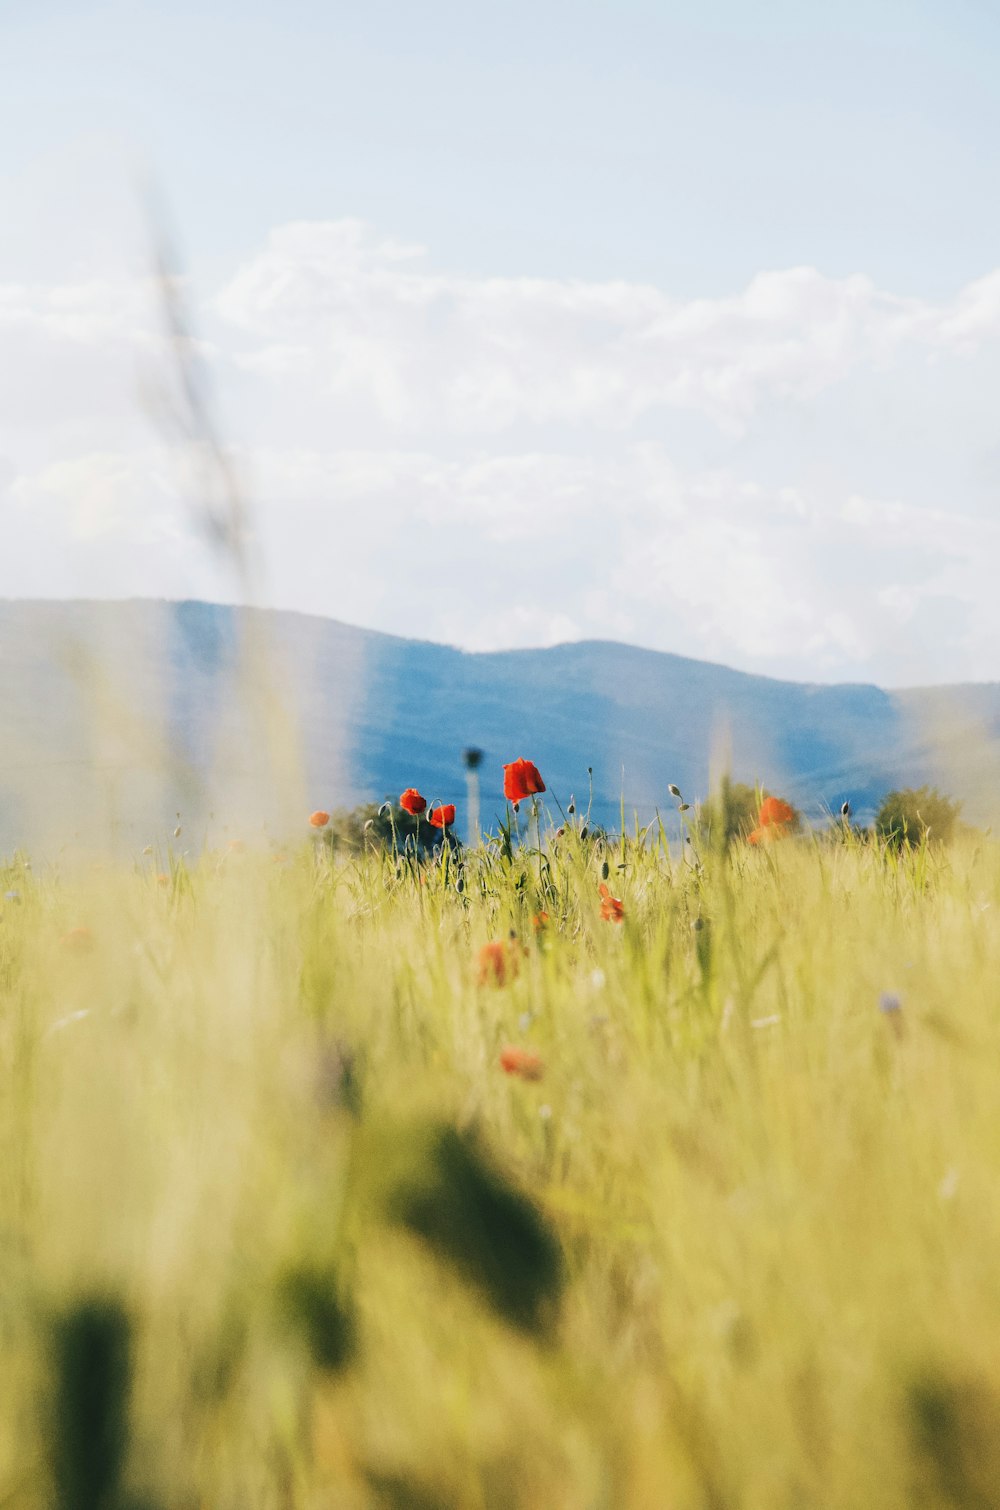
{"x":774,"y":1188}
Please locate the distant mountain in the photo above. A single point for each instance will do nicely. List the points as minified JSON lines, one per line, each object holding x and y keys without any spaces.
{"x":116,"y":717}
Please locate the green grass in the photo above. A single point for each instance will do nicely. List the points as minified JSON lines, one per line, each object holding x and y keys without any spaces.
{"x":736,"y":1248}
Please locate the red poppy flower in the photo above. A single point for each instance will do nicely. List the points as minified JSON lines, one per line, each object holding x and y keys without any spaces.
{"x":412,"y":802}
{"x":521,"y":779}
{"x":539,"y":921}
{"x":496,"y":961}
{"x":774,"y":812}
{"x":612,"y":908}
{"x":442,"y":817}
{"x":515,"y":1060}
{"x":79,"y":939}
{"x":319,"y":819}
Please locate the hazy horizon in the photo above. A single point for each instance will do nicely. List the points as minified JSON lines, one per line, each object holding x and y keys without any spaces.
{"x":498,"y":649}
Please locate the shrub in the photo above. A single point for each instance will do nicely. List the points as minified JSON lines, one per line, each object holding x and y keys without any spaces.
{"x":912,"y":814}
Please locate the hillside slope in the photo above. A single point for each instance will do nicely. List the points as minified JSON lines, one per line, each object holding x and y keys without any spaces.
{"x":115,"y":717}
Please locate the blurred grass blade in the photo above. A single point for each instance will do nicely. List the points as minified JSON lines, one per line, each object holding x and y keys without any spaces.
{"x":470,"y":1215}
{"x":93,"y":1366}
{"x":312,"y":1303}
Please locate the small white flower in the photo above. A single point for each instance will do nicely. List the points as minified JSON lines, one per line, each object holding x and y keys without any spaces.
{"x":64,"y":1022}
{"x":949,"y":1185}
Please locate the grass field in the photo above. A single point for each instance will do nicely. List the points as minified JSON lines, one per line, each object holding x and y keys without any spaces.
{"x":278,"y":1228}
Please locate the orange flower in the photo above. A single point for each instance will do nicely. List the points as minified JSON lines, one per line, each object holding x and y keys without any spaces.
{"x":442,"y":816}
{"x":612,"y":908}
{"x":774,"y":821}
{"x":539,"y":920}
{"x":79,"y":939}
{"x":515,"y":1060}
{"x":521,"y":779}
{"x":319,"y":819}
{"x":775,"y":813}
{"x":412,"y":802}
{"x":496,"y":960}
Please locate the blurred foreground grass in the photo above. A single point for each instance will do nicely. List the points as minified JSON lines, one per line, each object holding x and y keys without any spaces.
{"x":276,"y":1228}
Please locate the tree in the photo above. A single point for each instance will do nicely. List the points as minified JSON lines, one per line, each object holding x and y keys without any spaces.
{"x":912,"y":814}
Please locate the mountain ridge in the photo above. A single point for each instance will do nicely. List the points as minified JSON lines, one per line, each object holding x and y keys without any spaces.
{"x":512,"y":650}
{"x":117,"y":714}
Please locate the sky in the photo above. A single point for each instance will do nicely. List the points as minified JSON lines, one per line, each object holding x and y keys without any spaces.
{"x":671,"y":324}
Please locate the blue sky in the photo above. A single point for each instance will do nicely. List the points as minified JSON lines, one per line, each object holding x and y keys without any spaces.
{"x":688,"y":145}
{"x":713,"y":278}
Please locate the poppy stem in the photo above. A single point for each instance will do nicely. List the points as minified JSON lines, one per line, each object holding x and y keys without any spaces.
{"x":538,"y":836}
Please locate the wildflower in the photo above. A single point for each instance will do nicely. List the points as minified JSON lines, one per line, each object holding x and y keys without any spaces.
{"x":521,"y":779}
{"x":949,"y":1185}
{"x":515,"y":1060}
{"x":411,"y":802}
{"x":539,"y":920}
{"x":497,"y":959}
{"x":892,"y":1007}
{"x":79,"y":939}
{"x":442,"y":816}
{"x":774,"y":821}
{"x":775,"y":813}
{"x":163,"y":879}
{"x":612,"y":908}
{"x":319,"y":819}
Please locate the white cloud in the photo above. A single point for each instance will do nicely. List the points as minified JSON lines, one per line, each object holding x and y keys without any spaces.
{"x":109,"y":494}
{"x":328,"y":304}
{"x":792,"y":478}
